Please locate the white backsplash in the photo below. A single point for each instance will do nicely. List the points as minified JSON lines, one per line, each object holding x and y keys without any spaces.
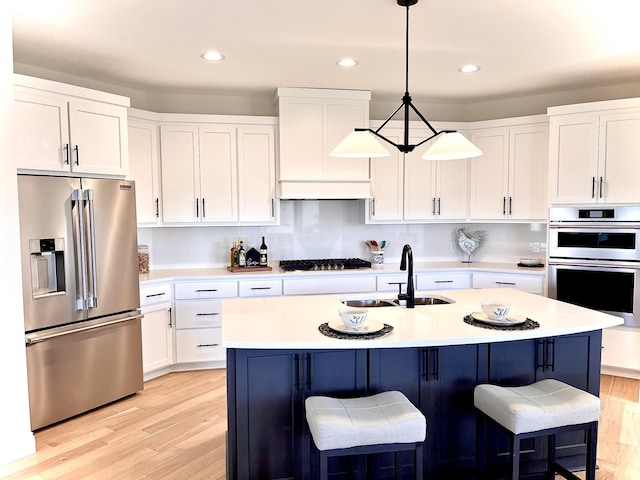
{"x":334,"y":229}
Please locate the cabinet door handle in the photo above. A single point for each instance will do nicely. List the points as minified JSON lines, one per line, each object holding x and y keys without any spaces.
{"x":433,"y":206}
{"x":197,"y":208}
{"x":203,"y":345}
{"x":593,"y":187}
{"x":156,"y":295}
{"x":551,"y":354}
{"x":212,"y":314}
{"x":157,"y":207}
{"x":510,"y":205}
{"x":204,"y":212}
{"x":66,"y":151}
{"x":309,"y":369}
{"x":296,"y":360}
{"x":436,"y":370}
{"x":540,"y":350}
{"x":373,"y":207}
{"x":438,"y":206}
{"x":206,"y":290}
{"x":601,"y":187}
{"x":504,"y":205}
{"x":170,"y":317}
{"x":425,"y":364}
{"x":77,"y":154}
{"x":273,"y":208}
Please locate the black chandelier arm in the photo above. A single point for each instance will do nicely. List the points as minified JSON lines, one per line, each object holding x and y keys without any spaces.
{"x":381,"y":137}
{"x":388,"y":119}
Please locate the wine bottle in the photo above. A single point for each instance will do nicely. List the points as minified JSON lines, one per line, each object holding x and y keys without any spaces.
{"x":263,"y":254}
{"x":242,"y":255}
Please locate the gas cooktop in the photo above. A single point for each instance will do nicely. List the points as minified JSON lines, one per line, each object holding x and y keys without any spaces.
{"x":324,"y":264}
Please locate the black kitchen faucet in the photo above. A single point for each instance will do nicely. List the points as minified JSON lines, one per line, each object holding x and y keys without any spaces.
{"x":410,"y":296}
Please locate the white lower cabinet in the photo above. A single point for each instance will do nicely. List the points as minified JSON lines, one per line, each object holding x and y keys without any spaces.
{"x":199,"y":320}
{"x":199,"y":345}
{"x":327,"y":285}
{"x":443,"y":281}
{"x":157,"y":330}
{"x":621,"y":351}
{"x":527,"y":283}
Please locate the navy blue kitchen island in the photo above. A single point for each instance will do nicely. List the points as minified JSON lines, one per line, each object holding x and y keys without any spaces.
{"x":268,"y":381}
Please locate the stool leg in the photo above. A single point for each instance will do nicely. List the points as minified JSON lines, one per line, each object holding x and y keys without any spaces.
{"x":324,"y":460}
{"x":418,"y":461}
{"x":515,"y":457}
{"x":551,"y":456}
{"x":592,"y":434}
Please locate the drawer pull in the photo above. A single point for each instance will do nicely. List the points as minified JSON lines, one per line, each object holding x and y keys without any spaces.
{"x":208,"y":345}
{"x":207,"y":290}
{"x":206,"y":314}
{"x":505,"y":283}
{"x":443,"y":281}
{"x":156,"y":294}
{"x":260,"y":288}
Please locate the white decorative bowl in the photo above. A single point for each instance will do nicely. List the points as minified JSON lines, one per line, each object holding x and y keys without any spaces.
{"x":496,"y":310}
{"x":530,"y":261}
{"x":353,"y":317}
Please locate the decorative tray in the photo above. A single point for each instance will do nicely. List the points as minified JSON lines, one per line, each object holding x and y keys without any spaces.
{"x":249,"y":269}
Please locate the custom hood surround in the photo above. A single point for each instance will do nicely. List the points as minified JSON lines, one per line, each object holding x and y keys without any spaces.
{"x":312,"y":122}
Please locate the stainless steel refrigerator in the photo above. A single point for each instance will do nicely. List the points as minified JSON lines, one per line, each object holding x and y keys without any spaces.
{"x":81,"y":295}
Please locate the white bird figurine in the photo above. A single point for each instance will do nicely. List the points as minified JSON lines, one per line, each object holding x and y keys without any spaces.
{"x":468,"y":243}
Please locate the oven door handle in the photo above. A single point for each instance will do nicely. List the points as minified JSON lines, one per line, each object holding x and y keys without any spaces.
{"x":593,"y":265}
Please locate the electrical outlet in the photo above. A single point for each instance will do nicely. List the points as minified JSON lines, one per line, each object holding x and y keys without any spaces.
{"x":535,"y":247}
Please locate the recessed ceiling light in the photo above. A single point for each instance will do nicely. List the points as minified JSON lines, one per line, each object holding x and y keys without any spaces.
{"x":468,"y":69}
{"x":212,"y":56}
{"x":347,"y":62}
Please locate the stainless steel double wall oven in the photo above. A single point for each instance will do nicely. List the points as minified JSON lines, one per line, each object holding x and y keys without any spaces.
{"x":594,"y":259}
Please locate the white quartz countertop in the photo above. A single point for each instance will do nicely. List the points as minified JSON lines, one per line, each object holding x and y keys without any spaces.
{"x":292,"y":321}
{"x":195,"y":274}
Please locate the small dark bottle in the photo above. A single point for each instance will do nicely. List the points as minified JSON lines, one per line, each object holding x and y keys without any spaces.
{"x":263,"y":254}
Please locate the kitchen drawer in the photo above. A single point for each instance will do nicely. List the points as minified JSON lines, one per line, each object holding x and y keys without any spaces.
{"x":199,"y":345}
{"x":195,"y":290}
{"x":389,"y":283}
{"x":527,"y":283}
{"x":443,"y":281}
{"x":198,"y":313}
{"x":313,"y":286}
{"x":260,"y":288}
{"x":155,"y":294}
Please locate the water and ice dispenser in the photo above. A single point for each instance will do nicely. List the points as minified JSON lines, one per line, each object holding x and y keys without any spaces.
{"x":47,"y":266}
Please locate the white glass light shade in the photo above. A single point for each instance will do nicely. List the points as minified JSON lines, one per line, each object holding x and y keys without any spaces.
{"x":451,"y":146}
{"x":359,"y":144}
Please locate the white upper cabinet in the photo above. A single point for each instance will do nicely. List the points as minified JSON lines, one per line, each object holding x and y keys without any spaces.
{"x":404,"y":187}
{"x":509,"y":180}
{"x":220,"y":174}
{"x":67,"y":129}
{"x":594,"y":152}
{"x":144,"y":169}
{"x":257,"y":175}
{"x":312,"y":123}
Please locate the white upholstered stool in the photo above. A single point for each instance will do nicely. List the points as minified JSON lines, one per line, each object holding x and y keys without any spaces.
{"x":546,"y":408}
{"x":385,"y":422}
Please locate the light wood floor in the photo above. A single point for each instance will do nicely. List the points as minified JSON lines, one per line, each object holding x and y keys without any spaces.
{"x":175,"y":430}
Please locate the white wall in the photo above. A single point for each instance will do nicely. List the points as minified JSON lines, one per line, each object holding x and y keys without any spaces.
{"x":16,"y":439}
{"x":332,"y":228}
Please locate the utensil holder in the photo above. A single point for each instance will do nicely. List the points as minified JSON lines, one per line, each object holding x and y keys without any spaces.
{"x":377,"y":259}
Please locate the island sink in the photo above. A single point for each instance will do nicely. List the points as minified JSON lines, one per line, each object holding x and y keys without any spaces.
{"x":374,"y":302}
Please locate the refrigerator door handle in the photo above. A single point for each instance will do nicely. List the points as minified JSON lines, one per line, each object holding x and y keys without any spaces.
{"x":92,"y":297}
{"x":31,"y":341}
{"x":80,"y":250}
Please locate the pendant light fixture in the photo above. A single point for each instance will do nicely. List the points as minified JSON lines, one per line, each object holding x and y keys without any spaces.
{"x":363,"y":142}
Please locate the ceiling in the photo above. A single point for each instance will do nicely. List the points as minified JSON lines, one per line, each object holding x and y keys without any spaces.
{"x":154,"y":46}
